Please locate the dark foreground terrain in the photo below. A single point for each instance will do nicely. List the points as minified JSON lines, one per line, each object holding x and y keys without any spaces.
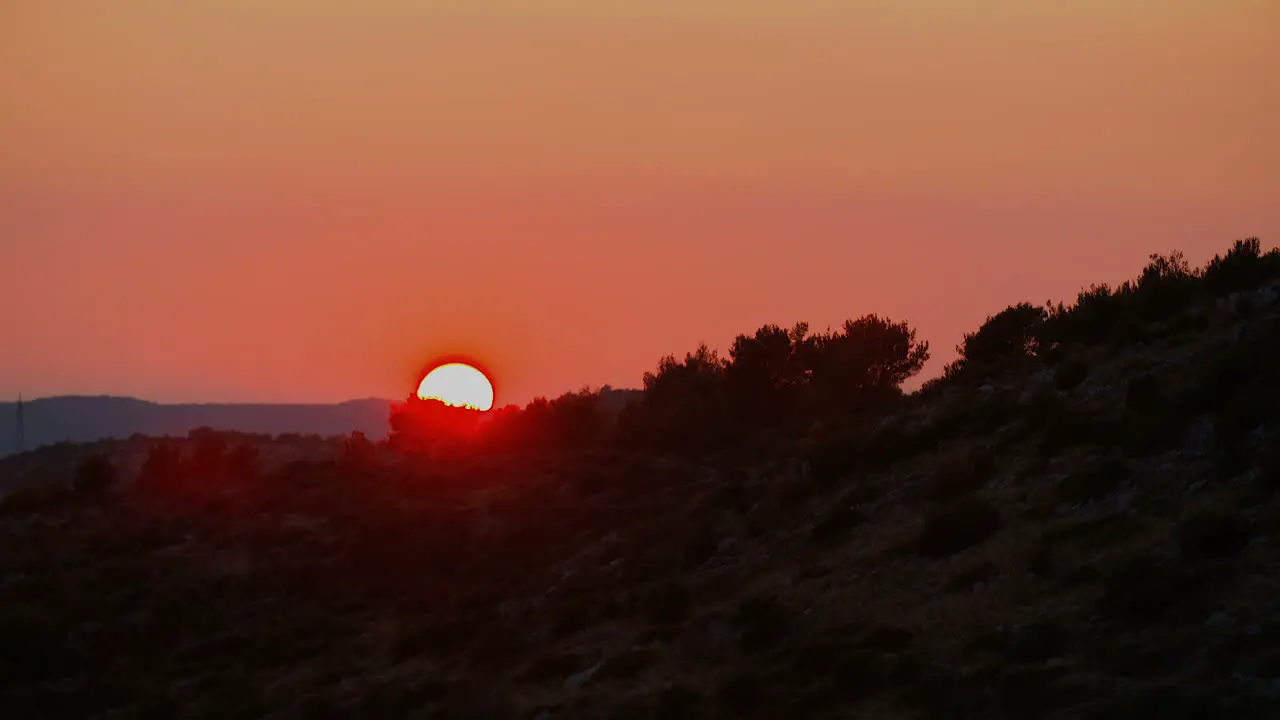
{"x":1095,"y":535}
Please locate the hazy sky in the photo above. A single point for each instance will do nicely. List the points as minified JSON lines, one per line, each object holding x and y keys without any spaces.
{"x":299,"y":200}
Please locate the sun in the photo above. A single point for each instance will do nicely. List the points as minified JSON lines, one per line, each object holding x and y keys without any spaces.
{"x":459,"y":385}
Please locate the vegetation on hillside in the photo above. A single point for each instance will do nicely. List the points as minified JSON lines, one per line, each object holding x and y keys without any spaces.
{"x":1077,"y":520}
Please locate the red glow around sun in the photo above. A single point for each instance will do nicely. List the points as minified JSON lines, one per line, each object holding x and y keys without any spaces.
{"x":458,"y":384}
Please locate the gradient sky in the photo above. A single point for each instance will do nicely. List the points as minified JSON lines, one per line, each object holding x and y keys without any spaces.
{"x":300,"y":200}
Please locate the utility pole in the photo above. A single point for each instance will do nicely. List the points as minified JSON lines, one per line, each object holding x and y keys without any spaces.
{"x":21,"y":439}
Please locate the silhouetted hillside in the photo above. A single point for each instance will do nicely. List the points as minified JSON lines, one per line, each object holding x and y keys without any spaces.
{"x":86,"y":419}
{"x":1079,"y":520}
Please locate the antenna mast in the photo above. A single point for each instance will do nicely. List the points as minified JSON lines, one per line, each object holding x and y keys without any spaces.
{"x":21,"y":439}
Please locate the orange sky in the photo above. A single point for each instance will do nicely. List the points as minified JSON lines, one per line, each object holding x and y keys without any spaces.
{"x":297,"y":200}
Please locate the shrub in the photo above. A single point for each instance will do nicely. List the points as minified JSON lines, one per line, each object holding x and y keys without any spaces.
{"x":555,"y":667}
{"x":970,"y":578}
{"x":1038,"y":641}
{"x":837,"y":522}
{"x":683,"y":407}
{"x":1008,"y":336}
{"x":701,"y":547}
{"x":243,"y":462}
{"x":208,"y":457}
{"x":625,"y":665}
{"x":860,"y":367}
{"x":1067,"y":427}
{"x":1167,"y":285}
{"x":1143,"y":393}
{"x":1269,"y":470}
{"x":951,"y":372}
{"x":1092,"y":484}
{"x":1143,"y":590}
{"x":1040,"y":561}
{"x":892,"y":443}
{"x":95,"y":476}
{"x":420,"y":425}
{"x":1070,"y":374}
{"x":741,"y":694}
{"x":35,"y":499}
{"x":886,"y":639}
{"x":162,"y":469}
{"x":678,"y":702}
{"x":668,"y":604}
{"x":763,"y":622}
{"x":358,"y":454}
{"x":763,"y":370}
{"x":1213,"y":535}
{"x":575,"y":420}
{"x":958,"y":527}
{"x":1144,"y":434}
{"x":856,"y":675}
{"x":1094,"y":318}
{"x":774,"y":379}
{"x":1243,"y":268}
{"x":1149,"y":425}
{"x":961,"y":475}
{"x":571,"y":618}
{"x":1174,"y":702}
{"x":33,"y":647}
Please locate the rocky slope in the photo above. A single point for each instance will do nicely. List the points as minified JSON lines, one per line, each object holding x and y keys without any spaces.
{"x":1097,"y":537}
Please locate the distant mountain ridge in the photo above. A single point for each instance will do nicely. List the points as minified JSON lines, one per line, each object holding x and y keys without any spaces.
{"x":89,"y":418}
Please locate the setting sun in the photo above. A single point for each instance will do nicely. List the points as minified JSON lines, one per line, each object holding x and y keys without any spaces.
{"x":459,"y":385}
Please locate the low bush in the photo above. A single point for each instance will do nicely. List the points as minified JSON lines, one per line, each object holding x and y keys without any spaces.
{"x":837,"y":523}
{"x":668,"y":604}
{"x":739,"y":695}
{"x":1092,"y":484}
{"x":1244,"y":267}
{"x":625,"y":665}
{"x":1070,"y":373}
{"x":1144,"y":590}
{"x":886,"y":639}
{"x":763,"y":623}
{"x":678,"y":702}
{"x":1010,"y":336}
{"x":969,"y":578}
{"x":1166,"y":286}
{"x":95,"y":476}
{"x":1038,"y":641}
{"x":1213,"y":535}
{"x":957,"y":528}
{"x":35,"y":499}
{"x":961,"y":474}
{"x":33,"y":647}
{"x":1066,"y":427}
{"x":555,"y":667}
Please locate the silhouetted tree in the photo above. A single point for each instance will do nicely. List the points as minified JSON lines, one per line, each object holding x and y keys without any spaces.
{"x":242,"y":463}
{"x":764,"y":371}
{"x":576,"y":419}
{"x":776,"y":379}
{"x":862,"y":366}
{"x":1244,"y":267}
{"x":209,"y":454}
{"x":1095,"y":317}
{"x":428,"y":425}
{"x":163,"y":469}
{"x":1166,"y":286}
{"x":95,"y":476}
{"x":358,"y":454}
{"x":683,"y":407}
{"x":1011,"y":335}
